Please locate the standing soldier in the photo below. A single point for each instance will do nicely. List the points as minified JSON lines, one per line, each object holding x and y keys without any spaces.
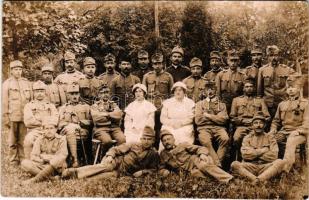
{"x":177,"y":70}
{"x":260,"y":152}
{"x":243,"y":109}
{"x":74,"y":122}
{"x":48,"y":155}
{"x":55,"y":93}
{"x":143,"y":64}
{"x":90,"y":84}
{"x":110,"y":73}
{"x":230,"y":82}
{"x":122,"y":85}
{"x":106,"y":117}
{"x":211,"y":117}
{"x":290,"y":124}
{"x":159,"y":85}
{"x":191,"y":159}
{"x":70,"y":75}
{"x":16,"y":93}
{"x":34,"y":112}
{"x":253,"y":70}
{"x":215,"y":64}
{"x":195,"y":83}
{"x":272,"y":80}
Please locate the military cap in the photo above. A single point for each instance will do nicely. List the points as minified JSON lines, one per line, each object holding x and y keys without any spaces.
{"x":250,"y":80}
{"x":69,"y":55}
{"x":259,"y":115}
{"x":196,"y":62}
{"x":15,"y":63}
{"x":210,"y":84}
{"x":103,"y":87}
{"x":109,"y":57}
{"x":73,"y":88}
{"x":139,"y":85}
{"x":178,"y":49}
{"x":295,"y":80}
{"x":142,"y":54}
{"x":148,"y":132}
{"x":88,"y":61}
{"x":179,"y":84}
{"x":165,"y":132}
{"x":272,"y":49}
{"x":39,"y":85}
{"x":48,"y":67}
{"x":256,"y":50}
{"x":46,"y":121}
{"x":233,"y":54}
{"x":157,"y":57}
{"x":215,"y":54}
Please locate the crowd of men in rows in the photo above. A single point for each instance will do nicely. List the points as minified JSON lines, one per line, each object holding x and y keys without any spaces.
{"x":257,"y":116}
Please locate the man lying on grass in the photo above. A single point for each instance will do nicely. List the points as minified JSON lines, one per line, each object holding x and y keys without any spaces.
{"x":191,"y":159}
{"x":127,"y":159}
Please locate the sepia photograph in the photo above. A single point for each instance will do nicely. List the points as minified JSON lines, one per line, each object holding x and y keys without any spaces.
{"x":155,"y":99}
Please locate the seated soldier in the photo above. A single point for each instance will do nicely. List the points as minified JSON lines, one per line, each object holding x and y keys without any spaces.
{"x":259,"y":152}
{"x":291,"y":119}
{"x":243,"y":109}
{"x":106,"y":117}
{"x":48,"y":155}
{"x":189,"y":158}
{"x":75,"y":122}
{"x":127,"y":159}
{"x":211,"y":118}
{"x":34,"y":112}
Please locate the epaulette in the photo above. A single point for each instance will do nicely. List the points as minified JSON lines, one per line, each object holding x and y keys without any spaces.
{"x":151,"y":72}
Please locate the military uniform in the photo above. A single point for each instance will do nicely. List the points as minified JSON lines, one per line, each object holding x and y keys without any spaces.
{"x":178,"y":72}
{"x":211,"y":75}
{"x":256,"y":165}
{"x":16,"y":93}
{"x":272,"y":84}
{"x":107,"y":78}
{"x":54,"y":93}
{"x":89,"y":89}
{"x":126,"y":160}
{"x":242,"y":111}
{"x":186,"y":158}
{"x":106,"y":117}
{"x":34,"y":112}
{"x":76,"y":120}
{"x":141,"y":72}
{"x":68,"y":78}
{"x":47,"y":157}
{"x":121,"y":88}
{"x":214,"y":127}
{"x":229,"y":85}
{"x":291,"y":115}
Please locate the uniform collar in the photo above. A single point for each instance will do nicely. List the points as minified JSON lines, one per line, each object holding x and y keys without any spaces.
{"x":71,"y":71}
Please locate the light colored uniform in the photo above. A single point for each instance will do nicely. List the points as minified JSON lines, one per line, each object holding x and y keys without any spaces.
{"x":68,"y":78}
{"x":34,"y":112}
{"x":55,"y":94}
{"x":195,"y":87}
{"x":138,"y":115}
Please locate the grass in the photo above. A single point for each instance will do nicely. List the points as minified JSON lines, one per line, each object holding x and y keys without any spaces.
{"x":291,"y":186}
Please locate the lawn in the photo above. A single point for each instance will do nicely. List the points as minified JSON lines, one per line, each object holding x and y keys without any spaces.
{"x":291,"y":186}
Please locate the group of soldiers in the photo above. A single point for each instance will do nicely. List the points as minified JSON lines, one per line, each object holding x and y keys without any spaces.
{"x":257,"y":116}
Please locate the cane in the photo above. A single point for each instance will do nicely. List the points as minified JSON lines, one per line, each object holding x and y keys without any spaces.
{"x":83,"y":146}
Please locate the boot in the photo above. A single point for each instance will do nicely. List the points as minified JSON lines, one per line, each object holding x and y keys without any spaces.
{"x":72,"y":143}
{"x":44,"y":174}
{"x":273,"y":170}
{"x":239,"y":169}
{"x":69,"y":173}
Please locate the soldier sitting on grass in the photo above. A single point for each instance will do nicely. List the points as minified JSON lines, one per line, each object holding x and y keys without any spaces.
{"x":189,"y":158}
{"x":48,"y":155}
{"x":127,"y":159}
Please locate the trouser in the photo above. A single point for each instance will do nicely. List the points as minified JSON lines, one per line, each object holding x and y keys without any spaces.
{"x":263,"y":172}
{"x":16,"y":138}
{"x":107,"y":134}
{"x":29,"y":141}
{"x":205,"y":168}
{"x":95,"y":171}
{"x":289,"y":155}
{"x":220,"y":135}
{"x":281,"y":137}
{"x":157,"y":128}
{"x":35,"y":168}
{"x":239,"y":135}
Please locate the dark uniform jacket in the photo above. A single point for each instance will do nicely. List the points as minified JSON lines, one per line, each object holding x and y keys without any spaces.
{"x":179,"y":73}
